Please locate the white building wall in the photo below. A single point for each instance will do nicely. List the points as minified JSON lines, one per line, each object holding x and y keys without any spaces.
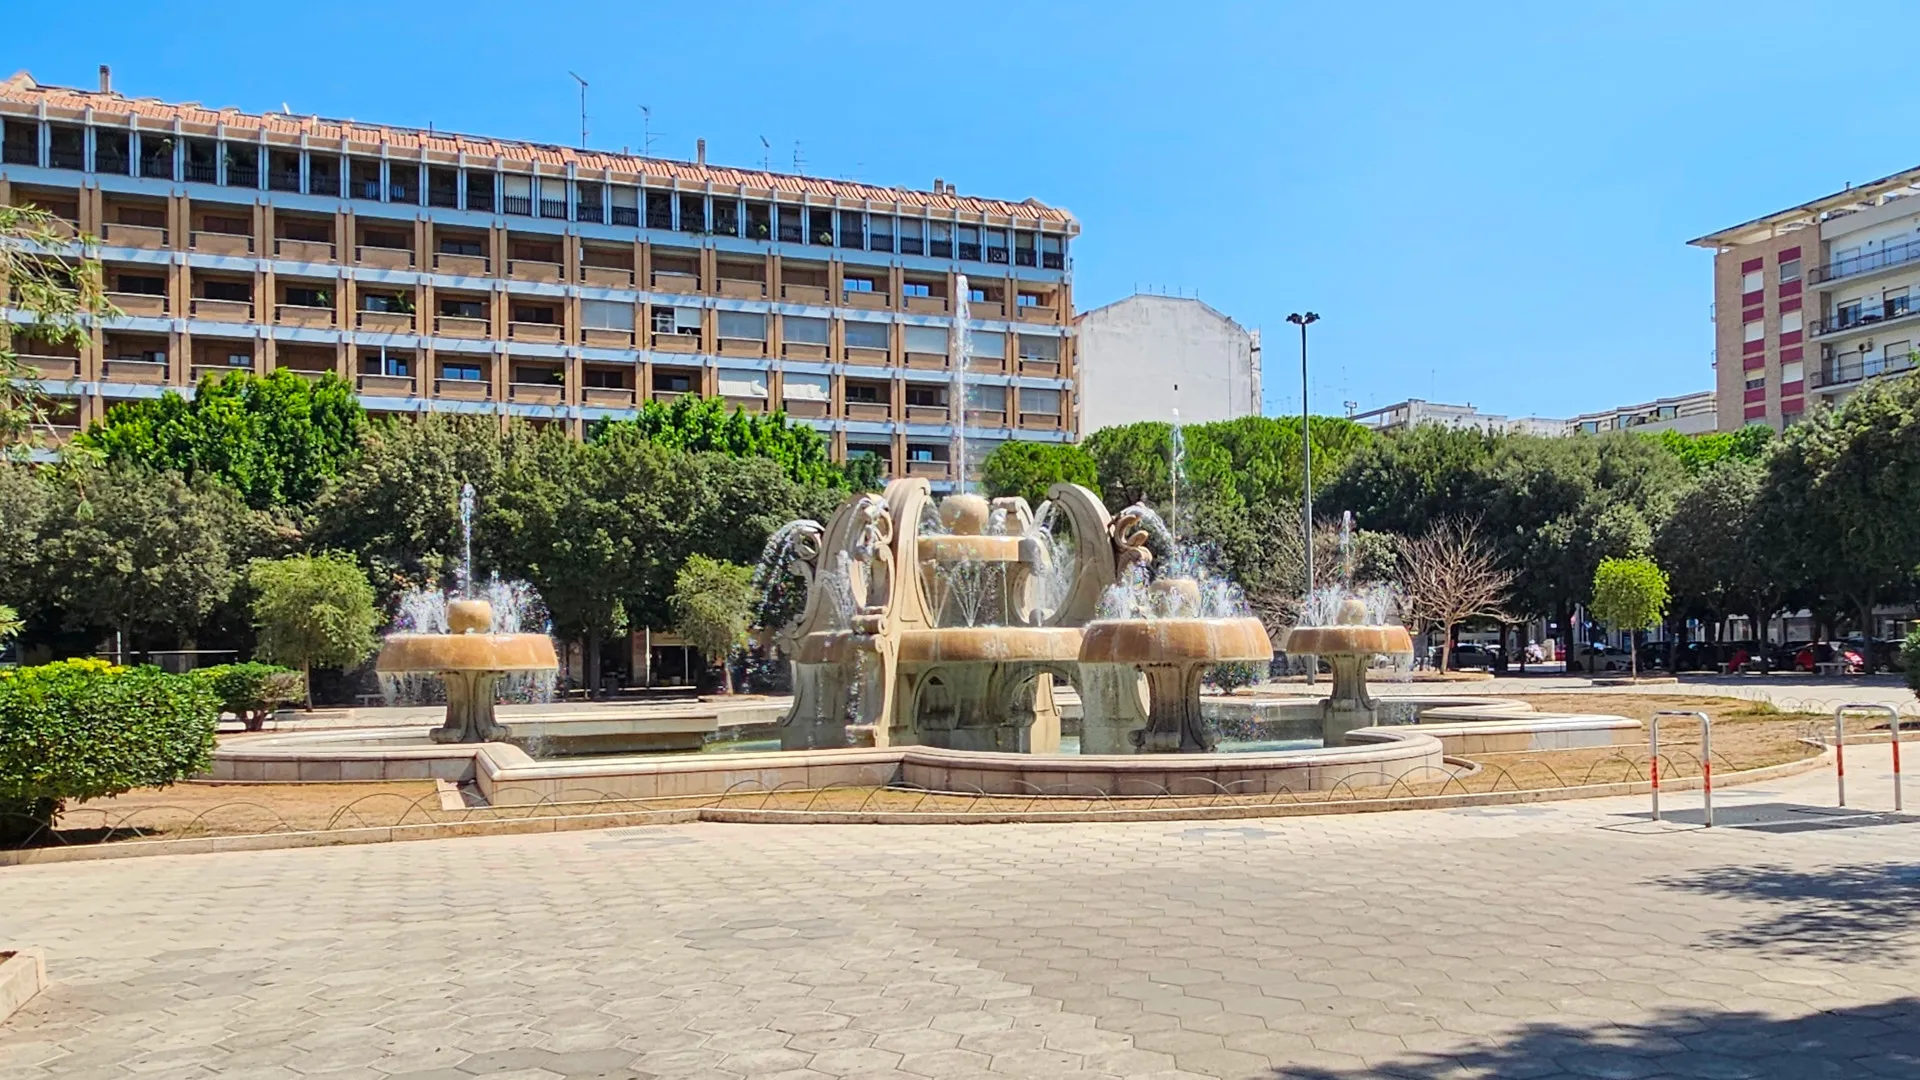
{"x":1145,"y":356}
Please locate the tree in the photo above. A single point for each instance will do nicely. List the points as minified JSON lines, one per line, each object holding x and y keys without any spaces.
{"x":275,"y":439}
{"x":1630,"y":594}
{"x":1721,"y":554}
{"x":1699,"y":453}
{"x":699,"y":424}
{"x":1028,"y":469}
{"x":9,"y":624}
{"x":313,"y":611}
{"x":133,"y":550}
{"x":1450,"y":574}
{"x":58,"y":294}
{"x":712,"y":608}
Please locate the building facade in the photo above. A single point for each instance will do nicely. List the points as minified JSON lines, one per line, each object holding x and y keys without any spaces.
{"x":1414,"y":412}
{"x":1689,"y":414}
{"x":1143,"y":357}
{"x":1813,"y":301}
{"x":448,"y":272}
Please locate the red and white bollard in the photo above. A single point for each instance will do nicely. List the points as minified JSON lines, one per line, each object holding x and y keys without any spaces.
{"x":1840,"y":746}
{"x":1706,"y":760}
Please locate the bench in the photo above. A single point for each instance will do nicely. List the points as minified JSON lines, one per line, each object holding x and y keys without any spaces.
{"x":366,"y":700}
{"x":1830,"y":667}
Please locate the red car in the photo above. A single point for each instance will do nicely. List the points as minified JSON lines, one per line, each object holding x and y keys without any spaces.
{"x":1828,"y":652}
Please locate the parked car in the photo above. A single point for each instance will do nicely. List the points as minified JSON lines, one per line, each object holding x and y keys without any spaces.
{"x":1814,"y":653}
{"x":1884,"y":654}
{"x":1471,"y":656}
{"x":1591,"y":657}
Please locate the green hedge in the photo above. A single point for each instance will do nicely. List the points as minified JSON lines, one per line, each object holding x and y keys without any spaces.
{"x":252,"y":691}
{"x":84,"y":729}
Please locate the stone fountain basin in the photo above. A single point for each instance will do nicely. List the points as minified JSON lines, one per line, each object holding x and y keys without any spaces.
{"x":830,"y":647}
{"x":984,"y":549}
{"x":1168,"y":641}
{"x":1368,"y":640}
{"x":467,"y":652}
{"x":973,"y":644}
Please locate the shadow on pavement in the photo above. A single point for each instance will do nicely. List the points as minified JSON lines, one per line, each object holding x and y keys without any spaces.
{"x":1868,"y":1041}
{"x":1849,"y":913}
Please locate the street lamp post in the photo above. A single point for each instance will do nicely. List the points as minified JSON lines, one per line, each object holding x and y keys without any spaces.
{"x":1306,"y":457}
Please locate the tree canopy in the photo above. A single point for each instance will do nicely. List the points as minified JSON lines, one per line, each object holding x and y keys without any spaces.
{"x":1028,"y":469}
{"x":313,"y":611}
{"x":712,"y":607}
{"x":699,"y":424}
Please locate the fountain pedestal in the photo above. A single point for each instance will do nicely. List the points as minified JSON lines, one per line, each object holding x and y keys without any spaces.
{"x":1349,"y":647}
{"x":470,"y":661}
{"x":1173,"y":654}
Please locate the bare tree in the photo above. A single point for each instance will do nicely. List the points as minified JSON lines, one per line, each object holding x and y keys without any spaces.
{"x":1449,"y":575}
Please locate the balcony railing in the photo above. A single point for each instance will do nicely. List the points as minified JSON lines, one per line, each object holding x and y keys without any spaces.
{"x":1855,"y":367}
{"x":58,"y":158}
{"x":1053,"y":260}
{"x":553,"y":208}
{"x":590,"y":212}
{"x":1850,"y":317}
{"x":283,"y":181}
{"x":518,"y":204}
{"x":203,"y":172}
{"x":323,"y":184}
{"x":14,"y":153}
{"x":444,"y":197}
{"x":626,"y":215}
{"x":367,"y":189}
{"x":1890,"y":255}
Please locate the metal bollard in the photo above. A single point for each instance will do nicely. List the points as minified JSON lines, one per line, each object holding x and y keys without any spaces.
{"x":1706,"y":760}
{"x":1653,"y":763}
{"x":1840,"y":746}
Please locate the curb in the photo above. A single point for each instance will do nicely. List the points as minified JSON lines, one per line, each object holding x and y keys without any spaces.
{"x":23,"y":973}
{"x":625,"y":819}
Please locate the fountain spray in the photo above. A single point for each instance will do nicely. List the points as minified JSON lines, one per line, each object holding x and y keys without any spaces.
{"x":958,"y":340}
{"x":1177,"y":463}
{"x":464,"y":582}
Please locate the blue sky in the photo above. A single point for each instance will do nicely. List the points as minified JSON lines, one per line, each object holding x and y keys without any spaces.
{"x":1486,"y":205}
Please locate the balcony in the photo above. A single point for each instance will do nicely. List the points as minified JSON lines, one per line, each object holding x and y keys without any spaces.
{"x":926,"y":361}
{"x":517,"y":204}
{"x":535,"y":270}
{"x":24,"y":152}
{"x":742,"y":347}
{"x":929,"y":470}
{"x":1891,"y":255}
{"x":867,"y":301}
{"x":927,"y":414}
{"x":462,"y":389}
{"x":385,"y":322}
{"x":668,"y":281}
{"x":219,"y":243}
{"x":747,"y":404}
{"x":136,"y":236}
{"x":150,"y":372}
{"x":986,"y":309}
{"x":541,"y":333}
{"x":1040,"y":420}
{"x":303,"y":315}
{"x":146,"y":304}
{"x":537,"y":393}
{"x":235,"y":311}
{"x":676,"y":343}
{"x":803,"y":350}
{"x":52,"y":367}
{"x":462,"y":265}
{"x":591,"y":212}
{"x":218,"y":371}
{"x":668,"y":397}
{"x":283,"y":180}
{"x":875,"y":411}
{"x":742,"y":288}
{"x":1855,"y":367}
{"x":607,"y":397}
{"x":927,"y":305}
{"x":987,"y":418}
{"x":804,"y":294}
{"x":626,"y":215}
{"x":203,"y":172}
{"x":384,"y":385}
{"x":309,"y":374}
{"x":311,"y":251}
{"x":554,"y":208}
{"x":384,"y":258}
{"x":607,"y":277}
{"x":455,"y":326}
{"x":606,"y":338}
{"x":867,"y":357}
{"x":1853,"y":318}
{"x":987,"y":365}
{"x":1049,"y":369}
{"x":1037,"y":313}
{"x":805,"y":410}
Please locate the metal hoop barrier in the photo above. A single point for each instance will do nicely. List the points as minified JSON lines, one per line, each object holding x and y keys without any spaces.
{"x":1840,"y":746}
{"x":1706,"y":759}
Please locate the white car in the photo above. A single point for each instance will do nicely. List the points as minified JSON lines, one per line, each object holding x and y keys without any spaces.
{"x":1599,"y":658}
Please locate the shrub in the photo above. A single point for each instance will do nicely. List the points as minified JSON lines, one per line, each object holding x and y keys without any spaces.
{"x":1910,"y":658}
{"x":252,"y":691}
{"x":1234,"y":674}
{"x":85,"y":729}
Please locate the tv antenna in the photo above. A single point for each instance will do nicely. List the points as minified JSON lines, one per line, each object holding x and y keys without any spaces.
{"x":799,"y":159}
{"x":583,"y":109}
{"x":646,"y":131}
{"x":766,"y":155}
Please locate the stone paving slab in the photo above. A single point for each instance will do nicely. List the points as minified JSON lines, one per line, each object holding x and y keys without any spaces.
{"x":1528,"y":941}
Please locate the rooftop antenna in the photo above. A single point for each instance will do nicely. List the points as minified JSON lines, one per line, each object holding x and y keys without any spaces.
{"x":766,"y":155}
{"x":646,"y":131}
{"x":583,"y":109}
{"x":799,"y":159}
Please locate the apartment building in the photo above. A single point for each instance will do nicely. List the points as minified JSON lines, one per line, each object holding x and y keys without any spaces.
{"x":1689,"y":414}
{"x":1144,"y":356}
{"x":1415,"y":412}
{"x":1813,"y":301}
{"x":470,"y":274}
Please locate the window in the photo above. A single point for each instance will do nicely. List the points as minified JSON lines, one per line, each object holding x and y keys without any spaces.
{"x":912,"y":242}
{"x":1846,"y":261}
{"x":393,"y":303}
{"x":921,"y":453}
{"x":659,"y":210}
{"x":997,"y":246}
{"x":479,"y":190}
{"x":1792,"y":371}
{"x":1791,"y":321}
{"x":1039,"y":347}
{"x":143,"y":285}
{"x":976,"y":296}
{"x":988,"y":343}
{"x":66,"y":148}
{"x":533,"y":313}
{"x":1053,"y":253}
{"x":385,"y":363}
{"x":743,"y":325}
{"x":1026,"y":299}
{"x":858,"y":284}
{"x":792,"y":229}
{"x":1789,"y":271}
{"x":1752,"y":281}
{"x":726,"y":217}
{"x":456,"y":246}
{"x":804,"y":331}
{"x":864,"y":393}
{"x":673,"y":382}
{"x":867,"y":335}
{"x":880,"y":233}
{"x":1753,"y":331}
{"x":604,"y":378}
{"x":236,"y":291}
{"x":1037,"y":400}
{"x":460,"y":372}
{"x":693,"y":213}
{"x":926,"y":395}
{"x":626,"y":206}
{"x":683,"y":321}
{"x":306,"y":296}
{"x":382,"y":238}
{"x":111,"y":153}
{"x":759,"y":221}
{"x":742,"y":383}
{"x":243,"y":165}
{"x":307,"y":232}
{"x":990,"y":398}
{"x":518,"y":194}
{"x":1894,"y":355}
{"x":916,"y":288}
{"x":940,"y":240}
{"x":851,"y":229}
{"x":1023,"y":249}
{"x":539,"y":375}
{"x":926,"y":339}
{"x":967,"y":243}
{"x":606,"y":315}
{"x":1756,"y":382}
{"x":462,"y":309}
{"x":1895,"y":302}
{"x":1849,"y":313}
{"x":231,"y":226}
{"x":797,"y":386}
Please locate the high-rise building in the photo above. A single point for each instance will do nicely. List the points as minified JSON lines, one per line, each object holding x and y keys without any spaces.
{"x":1812,"y":301}
{"x":472,"y":274}
{"x":1143,"y":357}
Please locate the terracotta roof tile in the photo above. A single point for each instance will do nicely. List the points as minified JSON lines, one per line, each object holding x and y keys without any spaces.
{"x":23,"y":89}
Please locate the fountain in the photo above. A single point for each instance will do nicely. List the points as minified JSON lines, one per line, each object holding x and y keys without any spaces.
{"x":1350,"y":645}
{"x":465,"y":645}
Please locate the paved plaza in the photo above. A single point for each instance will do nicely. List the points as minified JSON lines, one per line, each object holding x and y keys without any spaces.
{"x":1572,"y":939}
